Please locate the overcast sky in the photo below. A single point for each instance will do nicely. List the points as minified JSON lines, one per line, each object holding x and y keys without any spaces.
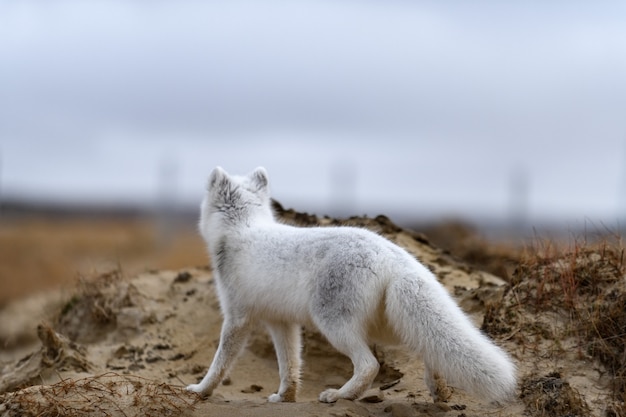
{"x":423,"y":108}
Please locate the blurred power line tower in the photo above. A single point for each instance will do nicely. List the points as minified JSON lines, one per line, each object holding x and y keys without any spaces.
{"x":621,"y":196}
{"x":1,"y":199}
{"x":518,"y":200}
{"x":167,"y":178}
{"x":343,"y":183}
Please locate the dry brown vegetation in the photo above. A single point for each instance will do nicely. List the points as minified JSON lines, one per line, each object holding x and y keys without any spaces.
{"x":566,"y":298}
{"x":101,"y":396}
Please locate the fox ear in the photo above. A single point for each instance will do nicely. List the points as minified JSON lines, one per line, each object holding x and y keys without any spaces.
{"x":259,"y":179}
{"x":218,"y":178}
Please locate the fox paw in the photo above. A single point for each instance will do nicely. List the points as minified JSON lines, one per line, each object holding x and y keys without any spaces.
{"x":194,"y":388}
{"x":197,"y":388}
{"x":330,"y":396}
{"x":275,"y":398}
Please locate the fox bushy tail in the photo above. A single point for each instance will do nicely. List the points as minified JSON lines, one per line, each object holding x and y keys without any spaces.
{"x":428,"y":320}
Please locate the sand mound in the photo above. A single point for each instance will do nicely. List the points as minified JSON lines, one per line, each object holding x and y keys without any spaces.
{"x":128,"y":346}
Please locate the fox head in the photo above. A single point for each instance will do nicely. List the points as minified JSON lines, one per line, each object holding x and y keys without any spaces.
{"x":235,"y":200}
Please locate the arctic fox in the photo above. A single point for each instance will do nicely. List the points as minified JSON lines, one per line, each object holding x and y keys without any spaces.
{"x":352,"y":284}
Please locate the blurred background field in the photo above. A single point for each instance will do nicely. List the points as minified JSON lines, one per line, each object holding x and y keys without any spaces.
{"x":508,"y":116}
{"x":41,"y":252}
{"x":43,"y":249}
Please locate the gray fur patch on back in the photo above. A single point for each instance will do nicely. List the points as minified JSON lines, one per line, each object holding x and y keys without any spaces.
{"x":333,"y":295}
{"x":322,"y":250}
{"x":337,"y":285}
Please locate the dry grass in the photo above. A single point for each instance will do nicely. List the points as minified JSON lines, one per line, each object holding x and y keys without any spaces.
{"x":104,"y":395}
{"x":37,"y":254}
{"x":575,"y":292}
{"x":587,"y":285}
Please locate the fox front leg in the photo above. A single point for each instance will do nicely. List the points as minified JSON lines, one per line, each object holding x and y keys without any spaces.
{"x":232,"y":339}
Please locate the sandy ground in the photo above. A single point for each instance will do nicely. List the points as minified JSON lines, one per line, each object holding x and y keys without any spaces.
{"x":120,"y":346}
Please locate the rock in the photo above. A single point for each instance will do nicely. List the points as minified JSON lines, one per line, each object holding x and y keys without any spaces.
{"x":57,"y":353}
{"x":400,"y":410}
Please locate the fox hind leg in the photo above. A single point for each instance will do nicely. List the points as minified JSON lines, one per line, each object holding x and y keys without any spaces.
{"x":439,"y":390}
{"x":353,"y":345}
{"x":287,"y":343}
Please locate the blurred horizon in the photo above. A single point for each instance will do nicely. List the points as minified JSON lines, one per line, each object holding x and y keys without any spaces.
{"x":504,"y":112}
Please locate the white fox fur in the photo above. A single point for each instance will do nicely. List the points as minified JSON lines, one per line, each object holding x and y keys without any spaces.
{"x":353,"y":285}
